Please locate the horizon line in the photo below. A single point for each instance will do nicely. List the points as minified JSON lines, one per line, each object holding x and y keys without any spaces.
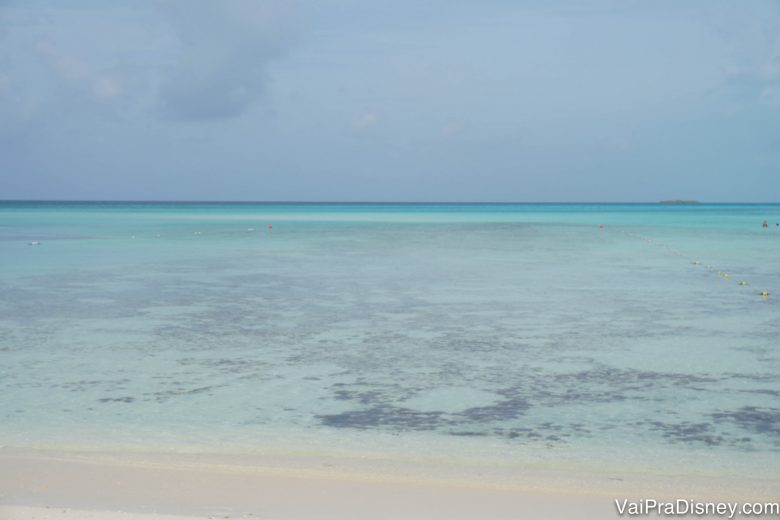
{"x":671,"y":202}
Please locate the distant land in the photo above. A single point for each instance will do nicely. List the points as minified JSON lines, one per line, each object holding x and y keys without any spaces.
{"x":679,"y":201}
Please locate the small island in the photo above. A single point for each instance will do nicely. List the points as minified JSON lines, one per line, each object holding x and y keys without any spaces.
{"x":679,"y":201}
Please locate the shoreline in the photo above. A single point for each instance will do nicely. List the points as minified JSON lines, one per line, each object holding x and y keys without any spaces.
{"x":199,"y":485}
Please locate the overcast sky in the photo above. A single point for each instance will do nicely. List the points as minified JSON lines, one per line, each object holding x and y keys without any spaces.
{"x":439,"y":100}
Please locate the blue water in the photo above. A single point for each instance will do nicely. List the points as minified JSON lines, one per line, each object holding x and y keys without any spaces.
{"x":525,"y":332}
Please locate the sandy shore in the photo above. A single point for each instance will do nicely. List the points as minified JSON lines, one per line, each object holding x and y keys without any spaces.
{"x":48,"y":513}
{"x":45,"y":484}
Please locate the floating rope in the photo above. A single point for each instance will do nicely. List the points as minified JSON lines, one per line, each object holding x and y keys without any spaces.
{"x":722,"y":274}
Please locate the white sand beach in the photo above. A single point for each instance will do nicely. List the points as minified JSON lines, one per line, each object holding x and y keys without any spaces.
{"x":45,"y":484}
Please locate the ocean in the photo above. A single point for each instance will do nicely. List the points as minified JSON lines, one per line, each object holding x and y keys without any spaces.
{"x":589,"y":335}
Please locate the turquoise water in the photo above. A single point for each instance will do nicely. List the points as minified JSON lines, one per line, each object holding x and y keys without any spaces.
{"x":525,"y":332}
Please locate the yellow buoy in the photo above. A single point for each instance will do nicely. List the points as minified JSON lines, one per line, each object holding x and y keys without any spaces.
{"x":764,"y":293}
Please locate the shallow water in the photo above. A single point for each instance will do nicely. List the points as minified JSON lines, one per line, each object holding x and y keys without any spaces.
{"x":522,"y":332}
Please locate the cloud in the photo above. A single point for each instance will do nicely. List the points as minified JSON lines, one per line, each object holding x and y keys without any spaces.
{"x":225,"y":49}
{"x":67,"y":67}
{"x":453,"y":128}
{"x":106,"y":88}
{"x":753,"y":68}
{"x":771,"y":96}
{"x":365,"y":120}
{"x":76,"y":74}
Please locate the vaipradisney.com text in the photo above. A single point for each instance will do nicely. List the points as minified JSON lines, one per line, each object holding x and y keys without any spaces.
{"x":684,"y":507}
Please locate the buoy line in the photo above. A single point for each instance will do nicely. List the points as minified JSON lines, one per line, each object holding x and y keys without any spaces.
{"x":722,"y":274}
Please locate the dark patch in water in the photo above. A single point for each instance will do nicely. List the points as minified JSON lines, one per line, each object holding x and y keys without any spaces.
{"x":368,"y":397}
{"x":764,"y":421}
{"x":688,"y":432}
{"x":520,"y":433}
{"x":384,"y":416}
{"x":116,"y":399}
{"x":168,"y":394}
{"x":508,"y":409}
{"x":774,"y":393}
{"x":637,"y":379}
{"x":753,"y":377}
{"x":547,"y":431}
{"x":84,"y":385}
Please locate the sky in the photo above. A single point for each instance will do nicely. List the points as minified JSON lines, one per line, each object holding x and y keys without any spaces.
{"x":390,"y":100}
